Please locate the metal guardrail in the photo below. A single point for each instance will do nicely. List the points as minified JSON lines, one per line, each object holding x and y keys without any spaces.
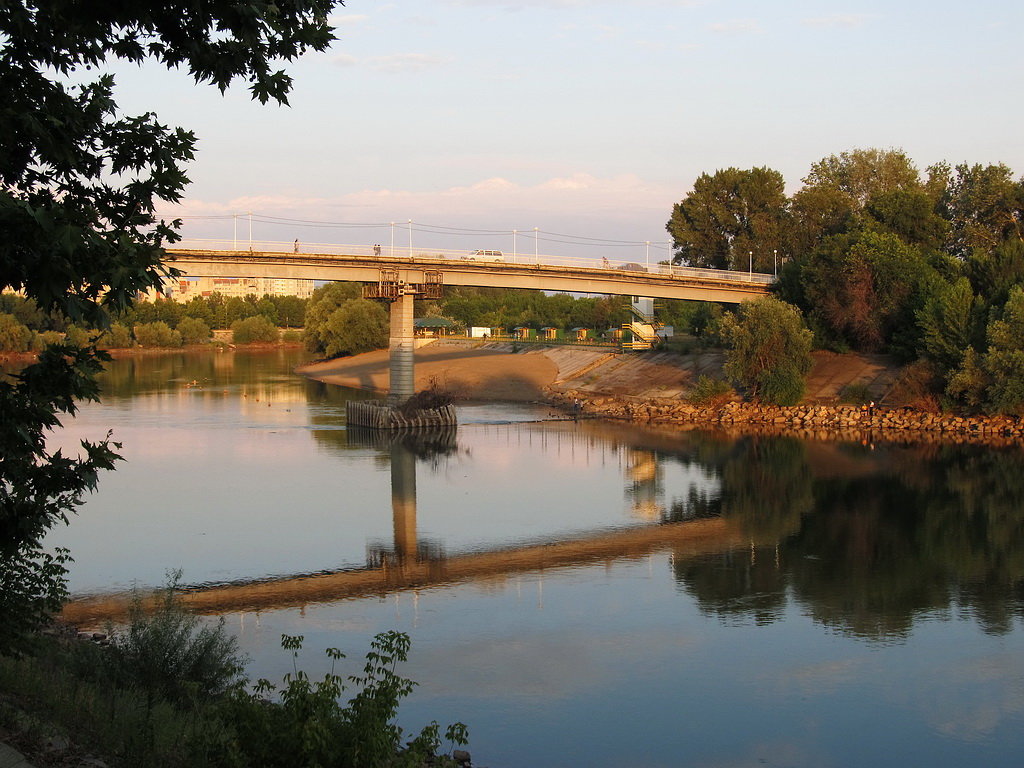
{"x":405,"y":254}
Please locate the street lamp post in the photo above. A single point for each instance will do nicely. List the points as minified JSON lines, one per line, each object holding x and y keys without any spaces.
{"x":392,"y":239}
{"x":410,"y":238}
{"x":536,"y":253}
{"x":750,"y":263}
{"x":775,"y":261}
{"x":234,"y":218}
{"x":250,"y":230}
{"x":513,"y":246}
{"x":647,"y":254}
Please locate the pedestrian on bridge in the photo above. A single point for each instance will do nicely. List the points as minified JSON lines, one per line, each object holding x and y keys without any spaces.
{"x":295,"y":247}
{"x":376,"y":249}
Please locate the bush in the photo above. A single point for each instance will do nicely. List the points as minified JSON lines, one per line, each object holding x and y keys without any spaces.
{"x":855,"y":394}
{"x":43,"y":339}
{"x":709,"y":391}
{"x":769,"y":350}
{"x":80,"y":337}
{"x":14,"y":336}
{"x":308,"y":726}
{"x":170,"y":654}
{"x":116,"y":337}
{"x":254,"y":329}
{"x":194,"y":331}
{"x":291,"y":336}
{"x":157,"y":334}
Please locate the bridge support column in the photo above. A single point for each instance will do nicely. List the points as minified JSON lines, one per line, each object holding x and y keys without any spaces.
{"x":401,"y":347}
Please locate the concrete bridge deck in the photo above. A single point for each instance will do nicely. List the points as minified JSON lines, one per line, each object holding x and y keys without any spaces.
{"x":584,"y":276}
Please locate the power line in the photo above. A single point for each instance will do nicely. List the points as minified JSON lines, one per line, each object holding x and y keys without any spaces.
{"x":437,"y":229}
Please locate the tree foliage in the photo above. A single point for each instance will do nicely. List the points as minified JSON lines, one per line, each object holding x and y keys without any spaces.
{"x":79,"y":186}
{"x":731,"y":219}
{"x":357,"y":326}
{"x":769,"y":350}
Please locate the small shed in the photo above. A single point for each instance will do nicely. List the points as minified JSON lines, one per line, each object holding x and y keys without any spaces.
{"x":521,"y":332}
{"x":549,"y":332}
{"x":580,"y":334}
{"x":432,"y":326}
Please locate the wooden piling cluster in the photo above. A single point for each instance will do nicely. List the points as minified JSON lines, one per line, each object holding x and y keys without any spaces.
{"x":377,"y":415}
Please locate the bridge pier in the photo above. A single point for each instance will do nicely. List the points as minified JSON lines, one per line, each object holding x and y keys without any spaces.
{"x":402,"y":347}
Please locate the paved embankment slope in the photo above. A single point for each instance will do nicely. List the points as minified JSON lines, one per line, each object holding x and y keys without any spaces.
{"x":494,"y":371}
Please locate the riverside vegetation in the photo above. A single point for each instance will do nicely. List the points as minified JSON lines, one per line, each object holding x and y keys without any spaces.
{"x":168,"y":690}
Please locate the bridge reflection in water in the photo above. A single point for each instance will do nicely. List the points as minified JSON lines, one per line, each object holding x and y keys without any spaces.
{"x":410,"y":562}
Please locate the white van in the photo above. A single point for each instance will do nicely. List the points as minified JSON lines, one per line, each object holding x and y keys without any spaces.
{"x":486,"y":256}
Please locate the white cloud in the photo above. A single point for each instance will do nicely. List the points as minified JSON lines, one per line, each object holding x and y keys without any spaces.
{"x":347,"y":20}
{"x":399,"y":62}
{"x":736,"y":27}
{"x":559,"y":4}
{"x":847,"y":20}
{"x":619,"y":206}
{"x":406,"y":62}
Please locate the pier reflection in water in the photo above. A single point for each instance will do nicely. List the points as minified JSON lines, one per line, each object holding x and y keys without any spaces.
{"x":596,"y":593}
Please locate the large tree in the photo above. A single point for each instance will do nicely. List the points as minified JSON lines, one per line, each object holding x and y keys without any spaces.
{"x":839,"y":187}
{"x":985,"y":206}
{"x":733,"y":219}
{"x":79,"y":186}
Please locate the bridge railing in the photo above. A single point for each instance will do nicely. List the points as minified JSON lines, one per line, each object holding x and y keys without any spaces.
{"x":387,"y":252}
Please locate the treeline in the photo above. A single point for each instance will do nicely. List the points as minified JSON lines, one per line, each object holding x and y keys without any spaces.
{"x":881,"y":257}
{"x":160,"y":323}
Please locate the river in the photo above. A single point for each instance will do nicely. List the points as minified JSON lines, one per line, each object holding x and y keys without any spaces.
{"x":581,"y":593}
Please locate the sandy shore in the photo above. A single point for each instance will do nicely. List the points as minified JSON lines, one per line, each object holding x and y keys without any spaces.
{"x":471,"y":374}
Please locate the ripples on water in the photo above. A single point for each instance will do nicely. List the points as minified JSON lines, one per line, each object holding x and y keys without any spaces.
{"x":583,"y":593}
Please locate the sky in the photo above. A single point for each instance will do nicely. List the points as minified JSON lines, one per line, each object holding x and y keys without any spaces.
{"x":587,"y":118}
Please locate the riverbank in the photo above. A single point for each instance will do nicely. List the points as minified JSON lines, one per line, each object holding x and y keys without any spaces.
{"x":653,"y":388}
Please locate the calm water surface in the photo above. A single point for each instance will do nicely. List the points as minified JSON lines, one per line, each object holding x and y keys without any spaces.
{"x":583,"y":594}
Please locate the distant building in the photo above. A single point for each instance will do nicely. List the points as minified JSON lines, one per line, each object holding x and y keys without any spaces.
{"x":183,"y":290}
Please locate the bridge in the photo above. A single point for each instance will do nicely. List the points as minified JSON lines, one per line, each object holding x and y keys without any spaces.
{"x":401,"y":274}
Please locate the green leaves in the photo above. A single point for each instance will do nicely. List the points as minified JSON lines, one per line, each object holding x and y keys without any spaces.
{"x":769,"y":350}
{"x":732,"y":219}
{"x":79,"y":187}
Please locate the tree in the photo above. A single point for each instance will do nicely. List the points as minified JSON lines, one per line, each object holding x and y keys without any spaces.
{"x":291,"y":311}
{"x":1004,"y":359}
{"x":949,"y":323}
{"x":838,"y":188}
{"x":985,"y":206}
{"x":769,"y":350}
{"x":731,"y":218}
{"x":864,"y":289}
{"x":325,"y":301}
{"x":158,"y":334}
{"x":79,"y":185}
{"x":360,"y":325}
{"x":14,"y":336}
{"x":194,"y":331}
{"x":254,"y":329}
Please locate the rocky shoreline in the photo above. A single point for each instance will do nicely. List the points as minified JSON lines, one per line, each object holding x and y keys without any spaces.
{"x":814,"y":421}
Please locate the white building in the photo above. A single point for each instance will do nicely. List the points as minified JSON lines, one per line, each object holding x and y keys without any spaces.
{"x":183,"y":290}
